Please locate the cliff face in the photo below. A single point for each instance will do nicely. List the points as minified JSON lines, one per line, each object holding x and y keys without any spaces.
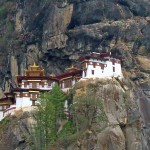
{"x":54,"y":33}
{"x":15,"y":130}
{"x":120,"y":128}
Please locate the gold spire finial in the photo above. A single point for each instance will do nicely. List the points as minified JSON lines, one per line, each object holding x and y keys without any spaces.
{"x":34,"y":64}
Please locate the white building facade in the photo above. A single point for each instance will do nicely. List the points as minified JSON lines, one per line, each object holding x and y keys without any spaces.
{"x":94,"y":65}
{"x":98,"y":65}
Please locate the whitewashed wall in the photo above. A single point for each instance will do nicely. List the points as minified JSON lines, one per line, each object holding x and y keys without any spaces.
{"x":23,"y":102}
{"x":1,"y":115}
{"x":102,"y":73}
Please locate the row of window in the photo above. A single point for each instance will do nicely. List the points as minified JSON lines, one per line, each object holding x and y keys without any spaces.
{"x":27,"y":95}
{"x":102,"y":71}
{"x":67,"y":84}
{"x":102,"y":65}
{"x":35,"y":85}
{"x":92,"y":71}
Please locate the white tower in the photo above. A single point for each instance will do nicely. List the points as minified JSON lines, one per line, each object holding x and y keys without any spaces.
{"x":96,"y":65}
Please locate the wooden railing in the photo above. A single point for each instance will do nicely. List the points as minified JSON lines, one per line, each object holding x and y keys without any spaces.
{"x":8,"y":111}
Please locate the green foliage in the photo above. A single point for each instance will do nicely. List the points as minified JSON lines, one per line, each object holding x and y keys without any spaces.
{"x":4,"y":122}
{"x":51,"y":128}
{"x":2,"y":43}
{"x":57,"y":97}
{"x":88,"y":109}
{"x":3,"y":12}
{"x":10,"y":27}
{"x":67,"y":135}
{"x":43,"y":131}
{"x":50,"y":112}
{"x":68,"y":129}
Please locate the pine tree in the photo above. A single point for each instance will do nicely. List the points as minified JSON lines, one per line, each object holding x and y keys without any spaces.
{"x":50,"y":112}
{"x":58,"y":98}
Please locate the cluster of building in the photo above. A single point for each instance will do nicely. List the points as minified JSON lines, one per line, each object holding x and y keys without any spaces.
{"x":34,"y":81}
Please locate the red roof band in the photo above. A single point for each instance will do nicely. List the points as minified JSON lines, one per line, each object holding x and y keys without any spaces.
{"x":99,"y":56}
{"x":67,"y":74}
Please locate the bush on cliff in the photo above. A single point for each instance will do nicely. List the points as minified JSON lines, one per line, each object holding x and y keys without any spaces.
{"x":47,"y":119}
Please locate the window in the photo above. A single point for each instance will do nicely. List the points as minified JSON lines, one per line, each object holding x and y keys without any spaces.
{"x":38,"y":85}
{"x":30,"y":85}
{"x":113,"y":69}
{"x":92,"y":71}
{"x":25,"y":84}
{"x":68,"y":83}
{"x":85,"y":73}
{"x":102,"y":66}
{"x":94,"y":65}
{"x":34,"y":85}
{"x":113,"y":62}
{"x":1,"y":108}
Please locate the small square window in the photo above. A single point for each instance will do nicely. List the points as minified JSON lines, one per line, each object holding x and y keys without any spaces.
{"x":113,"y":69}
{"x":102,"y":66}
{"x":94,"y":65}
{"x":92,"y":71}
{"x":113,"y":62}
{"x":85,"y":73}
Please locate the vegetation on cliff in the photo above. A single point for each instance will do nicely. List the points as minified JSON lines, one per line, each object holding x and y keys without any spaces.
{"x":48,"y":117}
{"x":52,"y":128}
{"x":100,"y":116}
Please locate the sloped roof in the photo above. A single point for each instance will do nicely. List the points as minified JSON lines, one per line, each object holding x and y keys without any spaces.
{"x":99,"y":56}
{"x":70,"y":73}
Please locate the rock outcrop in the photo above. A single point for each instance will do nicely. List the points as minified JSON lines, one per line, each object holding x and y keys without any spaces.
{"x":59,"y":31}
{"x":122,"y":130}
{"x":16,"y":129}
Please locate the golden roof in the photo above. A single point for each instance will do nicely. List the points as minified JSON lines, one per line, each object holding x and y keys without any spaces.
{"x":34,"y":70}
{"x":72,"y":68}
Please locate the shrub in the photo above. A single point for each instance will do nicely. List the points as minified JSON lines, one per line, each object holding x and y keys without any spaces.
{"x":10,"y":27}
{"x":3,"y":12}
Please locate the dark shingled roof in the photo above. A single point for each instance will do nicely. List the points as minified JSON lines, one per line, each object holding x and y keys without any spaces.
{"x":69,"y":74}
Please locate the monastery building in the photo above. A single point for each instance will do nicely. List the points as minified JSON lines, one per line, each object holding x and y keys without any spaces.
{"x":34,"y":81}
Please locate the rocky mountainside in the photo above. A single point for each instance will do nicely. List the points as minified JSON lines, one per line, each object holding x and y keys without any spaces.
{"x":118,"y":128}
{"x":53,"y":33}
